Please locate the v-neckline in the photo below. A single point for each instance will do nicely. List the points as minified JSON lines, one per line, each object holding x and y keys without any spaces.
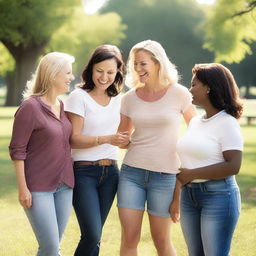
{"x":50,"y":109}
{"x":96,"y":101}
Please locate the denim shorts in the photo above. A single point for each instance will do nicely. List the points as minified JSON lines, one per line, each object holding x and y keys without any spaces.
{"x":138,"y":187}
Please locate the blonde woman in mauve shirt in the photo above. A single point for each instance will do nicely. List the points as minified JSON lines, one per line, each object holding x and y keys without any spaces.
{"x":41,"y":154}
{"x":151,"y":114}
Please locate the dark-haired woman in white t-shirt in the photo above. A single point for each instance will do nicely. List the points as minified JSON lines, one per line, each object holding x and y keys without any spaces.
{"x":94,"y":111}
{"x":211,"y":153}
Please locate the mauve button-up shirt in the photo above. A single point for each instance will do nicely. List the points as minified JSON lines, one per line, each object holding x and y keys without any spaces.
{"x":42,"y":141}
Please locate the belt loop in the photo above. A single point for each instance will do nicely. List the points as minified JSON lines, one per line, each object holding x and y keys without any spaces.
{"x":228,"y":180}
{"x":202,"y":186}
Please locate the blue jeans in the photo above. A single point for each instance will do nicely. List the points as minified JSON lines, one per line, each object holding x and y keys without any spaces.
{"x":94,"y":192}
{"x":48,"y":217}
{"x":209,"y":214}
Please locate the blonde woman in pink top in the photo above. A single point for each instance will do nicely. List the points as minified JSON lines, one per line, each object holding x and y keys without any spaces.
{"x":151,"y":114}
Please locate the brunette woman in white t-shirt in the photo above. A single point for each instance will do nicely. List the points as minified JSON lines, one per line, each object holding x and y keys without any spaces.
{"x":211,"y":153}
{"x":151,"y":114}
{"x":94,"y":111}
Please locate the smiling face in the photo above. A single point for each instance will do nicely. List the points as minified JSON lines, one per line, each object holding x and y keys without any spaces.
{"x":63,"y":79}
{"x":199,"y":92}
{"x":146,"y":68}
{"x":104,"y":73}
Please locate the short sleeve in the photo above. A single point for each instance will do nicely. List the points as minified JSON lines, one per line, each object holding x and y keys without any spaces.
{"x":23,"y":126}
{"x":75,"y":103}
{"x":125,"y":105}
{"x":231,"y":138}
{"x":186,"y":99}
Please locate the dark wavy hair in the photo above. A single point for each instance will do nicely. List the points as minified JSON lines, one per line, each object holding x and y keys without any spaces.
{"x":223,"y":93}
{"x":101,"y":53}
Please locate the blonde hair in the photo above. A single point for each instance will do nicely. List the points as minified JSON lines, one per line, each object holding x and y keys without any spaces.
{"x":168,"y":74}
{"x":49,"y":66}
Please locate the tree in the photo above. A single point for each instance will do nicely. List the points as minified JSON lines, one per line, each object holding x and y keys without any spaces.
{"x":6,"y":61}
{"x":230,"y":29}
{"x":26,"y":29}
{"x":80,"y":41}
{"x":249,"y":8}
{"x":175,"y":24}
{"x":244,"y":73}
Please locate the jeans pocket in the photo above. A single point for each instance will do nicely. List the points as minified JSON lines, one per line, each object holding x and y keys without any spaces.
{"x":124,"y":168}
{"x":215,"y":191}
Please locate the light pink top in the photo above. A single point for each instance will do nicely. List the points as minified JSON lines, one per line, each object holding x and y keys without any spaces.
{"x":153,"y":142}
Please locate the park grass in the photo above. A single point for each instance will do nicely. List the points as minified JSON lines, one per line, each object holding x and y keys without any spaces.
{"x":17,"y":239}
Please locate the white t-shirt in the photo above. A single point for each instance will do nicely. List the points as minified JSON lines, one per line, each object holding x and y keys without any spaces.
{"x":206,"y":139}
{"x":153,"y":142}
{"x":98,"y":121}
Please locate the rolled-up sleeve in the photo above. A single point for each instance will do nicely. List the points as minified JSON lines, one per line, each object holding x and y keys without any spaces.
{"x":23,"y":126}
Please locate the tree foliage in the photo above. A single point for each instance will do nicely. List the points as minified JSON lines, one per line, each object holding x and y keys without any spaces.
{"x":26,"y":28}
{"x":28,"y":22}
{"x":80,"y":40}
{"x":7,"y":63}
{"x":230,"y":29}
{"x":45,"y":25}
{"x":175,"y":24}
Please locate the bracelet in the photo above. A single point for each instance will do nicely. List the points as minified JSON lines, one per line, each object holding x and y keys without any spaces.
{"x":97,"y":142}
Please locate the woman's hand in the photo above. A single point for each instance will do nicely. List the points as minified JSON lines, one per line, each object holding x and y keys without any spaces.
{"x":185,"y":176}
{"x":174,"y":211}
{"x":120,"y":139}
{"x":25,"y":198}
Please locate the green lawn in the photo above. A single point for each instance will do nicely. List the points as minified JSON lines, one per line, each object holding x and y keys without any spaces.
{"x":17,"y":239}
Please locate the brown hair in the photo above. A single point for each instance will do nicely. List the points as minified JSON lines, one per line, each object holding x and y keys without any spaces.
{"x":101,"y":53}
{"x":224,"y":93}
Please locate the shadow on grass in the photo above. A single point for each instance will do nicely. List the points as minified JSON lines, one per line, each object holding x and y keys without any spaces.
{"x":247,"y":185}
{"x":7,"y":179}
{"x":6,"y":118}
{"x":7,"y":174}
{"x":249,"y":157}
{"x":250,"y":145}
{"x":4,"y":147}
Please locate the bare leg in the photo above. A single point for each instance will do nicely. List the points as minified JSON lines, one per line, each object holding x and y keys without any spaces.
{"x":160,"y":231}
{"x":131,"y":221}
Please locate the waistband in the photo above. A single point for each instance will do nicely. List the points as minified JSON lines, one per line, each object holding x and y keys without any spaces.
{"x":101,"y":162}
{"x":213,"y":184}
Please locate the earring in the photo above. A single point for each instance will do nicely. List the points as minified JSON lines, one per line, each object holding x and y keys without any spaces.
{"x":208,"y":91}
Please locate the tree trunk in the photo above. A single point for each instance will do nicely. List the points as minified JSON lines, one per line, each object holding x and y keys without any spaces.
{"x":247,"y":91}
{"x":25,"y":58}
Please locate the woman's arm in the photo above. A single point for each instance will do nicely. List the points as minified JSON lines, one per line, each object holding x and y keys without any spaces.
{"x":189,"y":113}
{"x":231,"y":166}
{"x":174,"y":208}
{"x":80,"y":141}
{"x":25,"y":197}
{"x":125,"y":127}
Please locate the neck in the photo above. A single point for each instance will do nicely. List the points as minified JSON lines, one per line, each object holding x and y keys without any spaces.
{"x":154,"y":87}
{"x":211,"y":111}
{"x":50,"y":98}
{"x":98,"y":93}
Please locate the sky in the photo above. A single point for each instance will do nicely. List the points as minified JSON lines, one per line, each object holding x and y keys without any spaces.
{"x":206,"y":1}
{"x":92,"y":6}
